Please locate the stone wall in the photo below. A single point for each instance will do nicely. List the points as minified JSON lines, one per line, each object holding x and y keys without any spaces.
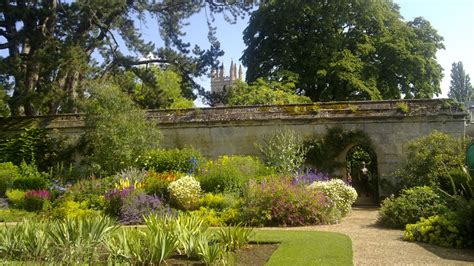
{"x":235,"y":130}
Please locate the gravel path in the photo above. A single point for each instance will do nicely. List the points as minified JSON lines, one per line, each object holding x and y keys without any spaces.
{"x":373,"y":245}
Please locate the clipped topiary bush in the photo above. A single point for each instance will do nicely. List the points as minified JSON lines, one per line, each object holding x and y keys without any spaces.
{"x":410,"y":206}
{"x":185,"y":193}
{"x":182,"y":160}
{"x":339,"y":192}
{"x":231,"y":173}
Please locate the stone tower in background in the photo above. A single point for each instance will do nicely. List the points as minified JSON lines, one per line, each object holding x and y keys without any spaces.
{"x":219,"y":81}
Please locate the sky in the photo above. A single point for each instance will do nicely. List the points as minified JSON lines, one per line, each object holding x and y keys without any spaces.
{"x":453,"y":19}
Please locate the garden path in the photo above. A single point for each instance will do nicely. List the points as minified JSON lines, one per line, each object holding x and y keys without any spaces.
{"x":374,"y":245}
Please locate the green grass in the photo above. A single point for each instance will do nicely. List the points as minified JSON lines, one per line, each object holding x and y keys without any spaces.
{"x":307,"y":247}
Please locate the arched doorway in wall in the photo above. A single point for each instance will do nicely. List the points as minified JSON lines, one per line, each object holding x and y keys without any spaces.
{"x":361,"y":168}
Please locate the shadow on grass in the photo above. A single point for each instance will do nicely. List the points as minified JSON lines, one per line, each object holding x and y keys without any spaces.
{"x":466,"y":255}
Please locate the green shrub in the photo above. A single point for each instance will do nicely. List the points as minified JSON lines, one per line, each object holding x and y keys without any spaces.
{"x":8,"y":172}
{"x":34,"y":146}
{"x":117,"y":130}
{"x":410,"y":206}
{"x":439,"y":230}
{"x":30,"y":178}
{"x":88,"y":188}
{"x":339,"y":192}
{"x":182,"y":160}
{"x":282,"y":203}
{"x":231,"y":173}
{"x":430,"y":159}
{"x":14,"y":215}
{"x":157,"y":183}
{"x":69,"y":209}
{"x":283,"y":151}
{"x":16,"y":198}
{"x":185,"y":193}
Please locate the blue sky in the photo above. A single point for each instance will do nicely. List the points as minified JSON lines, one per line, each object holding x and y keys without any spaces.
{"x":454,"y":20}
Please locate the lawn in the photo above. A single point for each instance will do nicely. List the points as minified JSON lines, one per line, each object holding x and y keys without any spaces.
{"x":307,"y":247}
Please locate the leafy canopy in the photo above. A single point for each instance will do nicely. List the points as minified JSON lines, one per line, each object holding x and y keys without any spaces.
{"x":461,"y":88}
{"x":49,"y":48}
{"x":344,"y":50}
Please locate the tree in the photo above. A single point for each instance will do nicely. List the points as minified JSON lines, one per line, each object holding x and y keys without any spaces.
{"x":263,"y":92}
{"x":117,"y":130}
{"x":153,"y":88}
{"x":460,"y":89}
{"x":52,"y":46}
{"x":344,"y":50}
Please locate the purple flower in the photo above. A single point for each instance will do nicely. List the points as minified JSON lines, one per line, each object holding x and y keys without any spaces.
{"x":310,"y":176}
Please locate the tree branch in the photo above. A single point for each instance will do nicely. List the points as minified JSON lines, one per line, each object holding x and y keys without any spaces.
{"x":5,"y":45}
{"x":143,"y":62}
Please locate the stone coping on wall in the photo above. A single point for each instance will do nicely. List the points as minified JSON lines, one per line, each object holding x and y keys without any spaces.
{"x":354,"y":110}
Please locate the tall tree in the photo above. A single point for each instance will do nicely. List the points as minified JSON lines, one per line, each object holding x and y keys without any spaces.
{"x":51,"y":46}
{"x":461,"y":88}
{"x":344,"y":50}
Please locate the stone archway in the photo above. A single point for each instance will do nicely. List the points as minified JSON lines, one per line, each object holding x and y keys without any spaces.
{"x":362,"y":170}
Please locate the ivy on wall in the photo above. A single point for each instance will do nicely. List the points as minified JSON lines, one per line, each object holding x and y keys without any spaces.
{"x":324,"y":150}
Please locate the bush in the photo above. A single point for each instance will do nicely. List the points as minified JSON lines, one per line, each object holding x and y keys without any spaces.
{"x":35,"y":199}
{"x":34,"y":146}
{"x":16,"y":198}
{"x":283,"y":151}
{"x":157,"y":183}
{"x":184,"y":160}
{"x":129,"y":177}
{"x":410,"y":206}
{"x":439,"y":230}
{"x":185,"y":193}
{"x":231,"y":173}
{"x":429,"y":160}
{"x":88,"y":188}
{"x":115,"y":200}
{"x":8,"y":172}
{"x":339,"y":192}
{"x":139,"y":204}
{"x":280,"y":202}
{"x":30,"y":178}
{"x":70,"y":209}
{"x":117,"y":131}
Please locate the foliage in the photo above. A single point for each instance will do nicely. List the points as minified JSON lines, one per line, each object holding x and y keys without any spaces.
{"x":438,"y":230}
{"x":30,"y":178}
{"x":8,"y":173}
{"x":403,"y":107}
{"x":323,"y":150}
{"x":359,"y":49}
{"x":115,"y":200}
{"x":231,"y":173}
{"x":70,"y":209}
{"x":4,"y":110}
{"x":46,"y":68}
{"x":34,"y":146}
{"x":283,"y":151}
{"x":429,"y":158}
{"x":15,"y":215}
{"x":279,"y":202}
{"x":461,"y":88}
{"x":182,"y":160}
{"x":264,"y":92}
{"x":410,"y":206}
{"x":139,"y":204}
{"x":72,"y":240}
{"x":117,"y":131}
{"x":154,"y":88}
{"x":339,"y":192}
{"x":234,"y":237}
{"x":16,"y":198}
{"x":35,"y":200}
{"x":157,"y":183}
{"x":185,"y":193}
{"x":89,"y":188}
{"x":218,"y":209}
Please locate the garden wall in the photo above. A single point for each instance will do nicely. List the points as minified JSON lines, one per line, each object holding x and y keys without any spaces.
{"x":235,"y":130}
